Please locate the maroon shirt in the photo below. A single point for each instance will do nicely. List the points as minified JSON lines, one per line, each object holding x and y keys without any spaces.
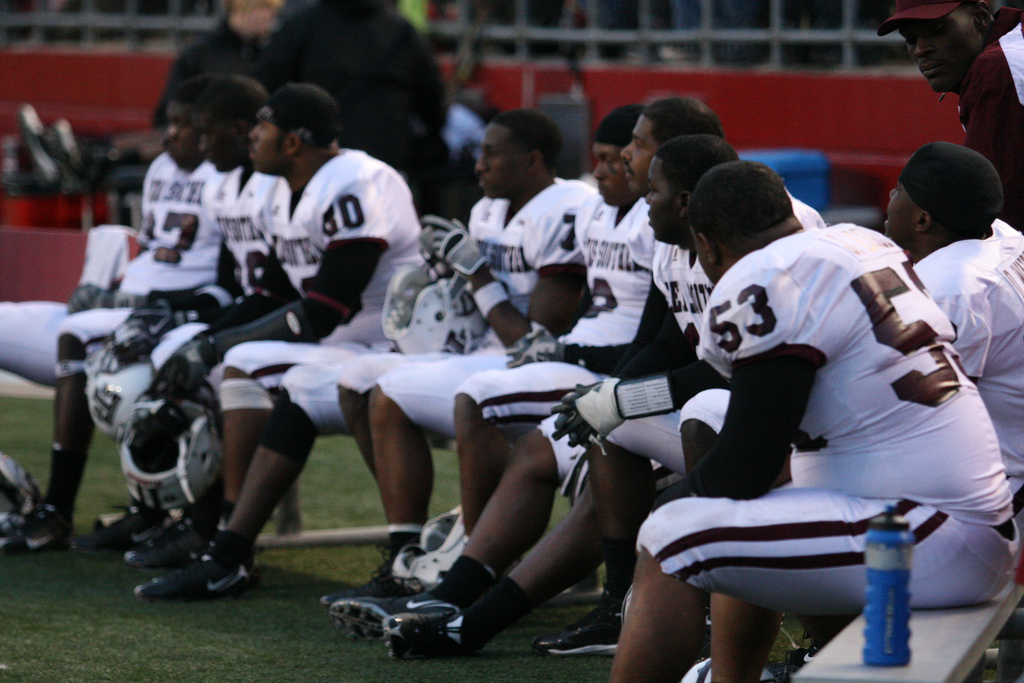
{"x":992,"y":112}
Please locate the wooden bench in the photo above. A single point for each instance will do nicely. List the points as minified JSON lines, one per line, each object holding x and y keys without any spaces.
{"x":947,"y":646}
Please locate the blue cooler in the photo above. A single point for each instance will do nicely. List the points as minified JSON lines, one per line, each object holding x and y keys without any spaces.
{"x":805,"y":172}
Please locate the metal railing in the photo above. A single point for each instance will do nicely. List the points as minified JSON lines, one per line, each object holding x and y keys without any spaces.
{"x":773,"y":33}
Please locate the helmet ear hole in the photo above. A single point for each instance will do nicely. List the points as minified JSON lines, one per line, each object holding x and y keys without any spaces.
{"x":422,"y":315}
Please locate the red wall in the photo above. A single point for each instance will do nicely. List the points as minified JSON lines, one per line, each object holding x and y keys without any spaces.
{"x":97,"y":92}
{"x":865,"y":114}
{"x":868,"y":125}
{"x":40,"y":265}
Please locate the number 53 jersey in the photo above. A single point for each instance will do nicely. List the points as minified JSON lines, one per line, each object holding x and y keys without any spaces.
{"x":891,"y":415}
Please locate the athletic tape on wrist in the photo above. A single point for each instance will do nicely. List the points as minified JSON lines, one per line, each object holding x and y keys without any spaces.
{"x":644,"y":396}
{"x":489,"y":296}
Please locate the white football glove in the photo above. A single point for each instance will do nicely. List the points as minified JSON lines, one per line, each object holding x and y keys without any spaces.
{"x":589,"y":413}
{"x":536,"y":346}
{"x":87,"y":297}
{"x":448,"y":241}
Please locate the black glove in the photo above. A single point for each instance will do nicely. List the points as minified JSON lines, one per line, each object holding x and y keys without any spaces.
{"x":136,"y":337}
{"x":570,"y":422}
{"x":184,"y":373}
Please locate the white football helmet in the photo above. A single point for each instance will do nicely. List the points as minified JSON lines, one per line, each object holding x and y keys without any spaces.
{"x":422,"y":315}
{"x":429,"y":565}
{"x":19,"y":493}
{"x":701,"y":673}
{"x":113,"y":385}
{"x":170,"y":452}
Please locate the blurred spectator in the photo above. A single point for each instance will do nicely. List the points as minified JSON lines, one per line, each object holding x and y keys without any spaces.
{"x":375,"y":64}
{"x":232,"y":48}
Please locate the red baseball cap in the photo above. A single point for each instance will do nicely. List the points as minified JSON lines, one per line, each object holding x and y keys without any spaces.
{"x":918,"y":9}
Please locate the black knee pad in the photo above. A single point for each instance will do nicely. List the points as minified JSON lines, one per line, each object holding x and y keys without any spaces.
{"x":289,"y":430}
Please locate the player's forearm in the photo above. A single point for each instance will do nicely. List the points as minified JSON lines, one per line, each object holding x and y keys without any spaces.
{"x":767,"y":403}
{"x":508,"y":323}
{"x":601,"y":359}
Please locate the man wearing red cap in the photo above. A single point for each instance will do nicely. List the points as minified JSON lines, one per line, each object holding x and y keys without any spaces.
{"x":964,"y":47}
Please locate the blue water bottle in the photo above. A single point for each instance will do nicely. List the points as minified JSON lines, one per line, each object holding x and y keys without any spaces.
{"x":888,"y":552}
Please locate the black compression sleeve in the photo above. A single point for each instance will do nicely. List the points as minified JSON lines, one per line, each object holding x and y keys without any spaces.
{"x":768,"y":401}
{"x":226,"y":276}
{"x":245,"y":311}
{"x":688,"y":381}
{"x":287,"y":323}
{"x":651,"y":321}
{"x":273,"y":281}
{"x":335,"y":295}
{"x":601,"y":359}
{"x":206,"y":304}
{"x":668,"y":351}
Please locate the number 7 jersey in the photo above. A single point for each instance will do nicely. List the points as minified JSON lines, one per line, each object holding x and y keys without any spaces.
{"x":891,"y":415}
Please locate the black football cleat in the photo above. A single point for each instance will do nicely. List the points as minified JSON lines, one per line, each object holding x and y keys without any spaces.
{"x":383,"y":584}
{"x":597,"y":633}
{"x":175,"y":547}
{"x":136,"y":527}
{"x":204,"y":579}
{"x":364,"y":617}
{"x":425,"y":636}
{"x":44,"y":529}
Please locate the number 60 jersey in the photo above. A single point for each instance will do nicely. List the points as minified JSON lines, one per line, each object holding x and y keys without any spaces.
{"x":888,"y":390}
{"x":351,"y":198}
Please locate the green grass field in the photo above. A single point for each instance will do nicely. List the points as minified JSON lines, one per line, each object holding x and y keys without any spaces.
{"x":72,"y":617}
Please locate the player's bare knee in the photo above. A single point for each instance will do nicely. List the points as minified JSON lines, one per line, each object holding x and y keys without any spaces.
{"x":354,"y":405}
{"x":384,"y":412}
{"x":468,"y":417}
{"x":533,"y":456}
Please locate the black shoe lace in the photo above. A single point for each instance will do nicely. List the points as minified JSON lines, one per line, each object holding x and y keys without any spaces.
{"x":391,"y":585}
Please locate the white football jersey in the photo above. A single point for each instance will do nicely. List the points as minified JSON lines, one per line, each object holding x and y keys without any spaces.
{"x":979,"y":284}
{"x":681,"y":279}
{"x":539,"y":236}
{"x":351,"y":197}
{"x":806,"y":214}
{"x":618,"y":259}
{"x":890,"y":415}
{"x":234,"y":207}
{"x":181,"y":241}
